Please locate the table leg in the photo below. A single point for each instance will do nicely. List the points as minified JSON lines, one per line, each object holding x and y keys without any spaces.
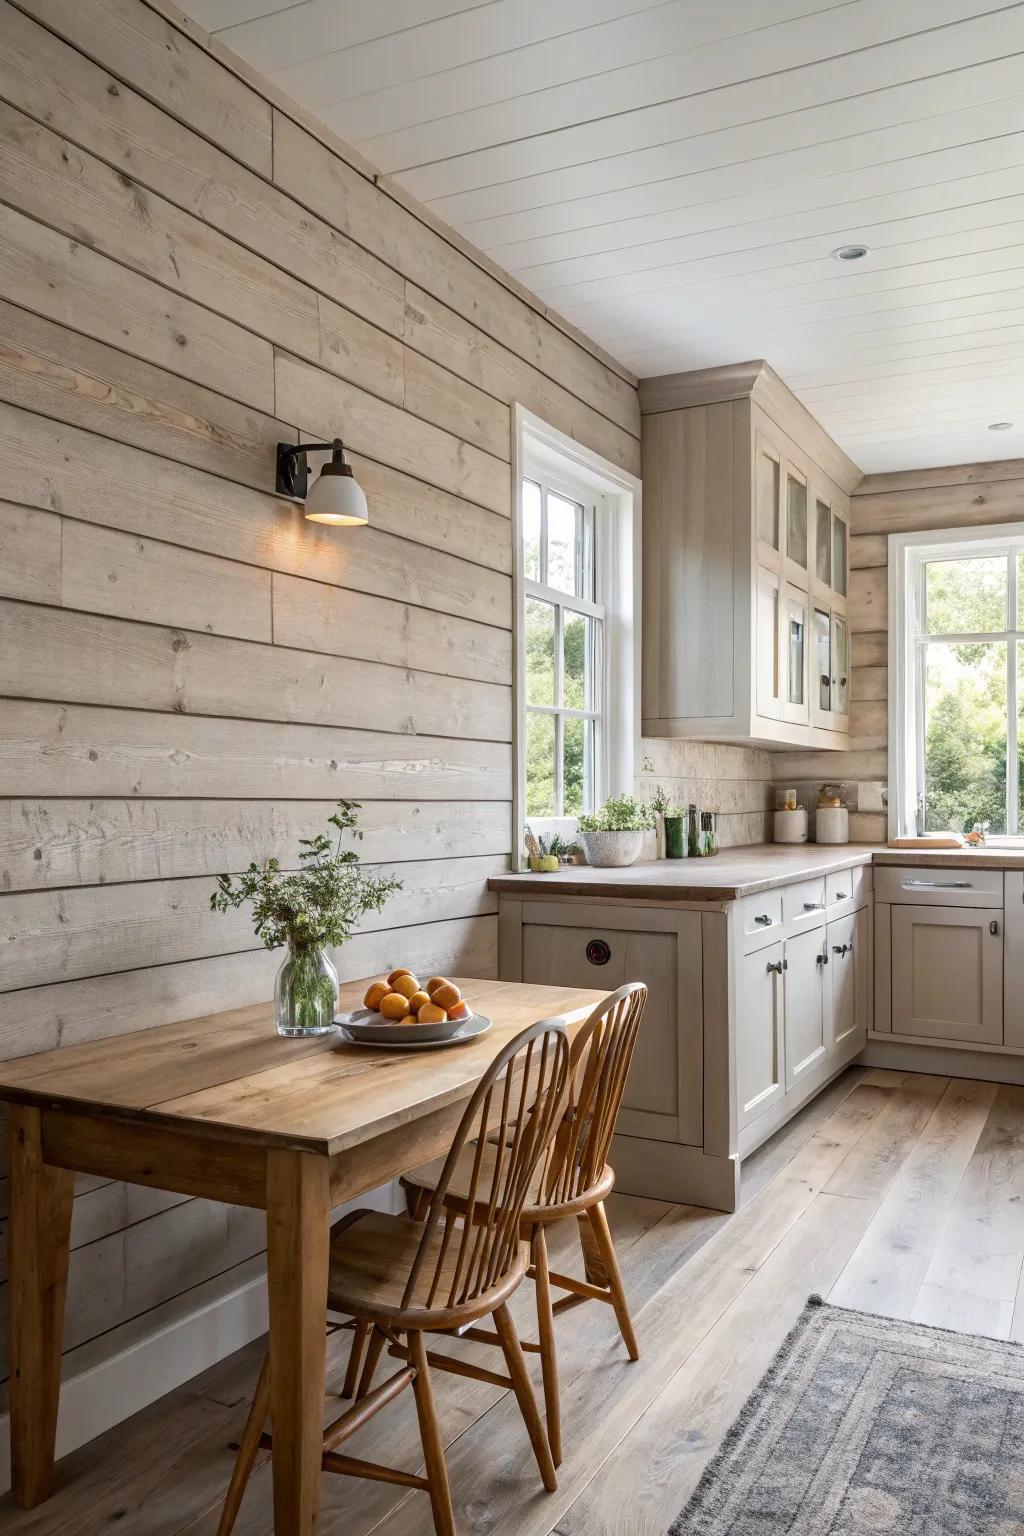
{"x":38,"y":1245}
{"x":298,"y":1233}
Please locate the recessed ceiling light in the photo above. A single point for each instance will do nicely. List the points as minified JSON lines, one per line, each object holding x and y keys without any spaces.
{"x":1000,"y":426}
{"x":851,"y":252}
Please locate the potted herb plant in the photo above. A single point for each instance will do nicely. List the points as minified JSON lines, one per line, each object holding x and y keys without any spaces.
{"x":308,"y":909}
{"x":614,"y":835}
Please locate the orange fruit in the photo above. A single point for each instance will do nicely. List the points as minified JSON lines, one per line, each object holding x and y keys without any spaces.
{"x":402,"y":971}
{"x":430,"y":1013}
{"x":394,"y":1006}
{"x":447,"y":995}
{"x":435,"y":982}
{"x":407,"y":985}
{"x":417,"y":1000}
{"x":460,"y":1011}
{"x":374,"y":995}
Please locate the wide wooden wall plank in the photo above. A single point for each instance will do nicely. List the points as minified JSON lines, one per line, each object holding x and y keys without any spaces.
{"x":104,"y":571}
{"x":48,"y":843}
{"x":80,"y":658}
{"x":89,"y":751}
{"x":316,"y":617}
{"x":29,"y":554}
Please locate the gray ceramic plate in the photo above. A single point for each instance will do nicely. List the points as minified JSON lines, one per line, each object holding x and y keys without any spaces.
{"x":359,"y":1030}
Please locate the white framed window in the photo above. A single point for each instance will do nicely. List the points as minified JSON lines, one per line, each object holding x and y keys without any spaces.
{"x":956,"y":668}
{"x":577,"y":561}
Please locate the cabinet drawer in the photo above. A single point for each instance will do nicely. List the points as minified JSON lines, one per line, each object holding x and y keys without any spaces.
{"x":803,"y":904}
{"x":848,"y":885}
{"x":761,"y":918}
{"x":939,"y":887}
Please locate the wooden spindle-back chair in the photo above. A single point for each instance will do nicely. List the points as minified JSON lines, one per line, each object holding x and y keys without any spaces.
{"x":574,"y":1179}
{"x":397,"y":1276}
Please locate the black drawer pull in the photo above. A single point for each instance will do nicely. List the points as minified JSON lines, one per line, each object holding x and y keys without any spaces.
{"x":763,"y":920}
{"x":599,"y":952}
{"x":776,"y":966}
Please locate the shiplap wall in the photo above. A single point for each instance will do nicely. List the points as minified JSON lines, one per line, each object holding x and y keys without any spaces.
{"x":909,"y":501}
{"x":192,"y":674}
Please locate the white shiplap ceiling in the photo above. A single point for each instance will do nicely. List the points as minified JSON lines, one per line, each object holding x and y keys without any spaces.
{"x":674,"y":177}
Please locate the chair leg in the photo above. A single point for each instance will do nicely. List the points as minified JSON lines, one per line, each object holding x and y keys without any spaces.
{"x":602,"y":1232}
{"x":247,"y":1449}
{"x":355,"y":1358}
{"x":548,"y":1351}
{"x":416,"y":1201}
{"x":516,"y":1363}
{"x":373,"y":1354}
{"x":430,"y":1434}
{"x":593,"y":1269}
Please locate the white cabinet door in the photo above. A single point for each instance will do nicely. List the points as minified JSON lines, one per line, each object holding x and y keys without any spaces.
{"x":662,"y":1098}
{"x":806,"y":968}
{"x":760,"y":1063}
{"x":796,"y":705}
{"x":947,"y":973}
{"x":847,"y":944}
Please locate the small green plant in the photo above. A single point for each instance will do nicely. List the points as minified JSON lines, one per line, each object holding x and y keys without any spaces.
{"x":620,"y":814}
{"x":561,"y":849}
{"x":660,"y":804}
{"x":313,"y":907}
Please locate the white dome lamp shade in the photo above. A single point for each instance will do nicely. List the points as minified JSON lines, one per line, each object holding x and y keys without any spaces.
{"x":335,"y":495}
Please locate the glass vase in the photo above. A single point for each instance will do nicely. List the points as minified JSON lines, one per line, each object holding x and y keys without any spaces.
{"x":306,"y":993}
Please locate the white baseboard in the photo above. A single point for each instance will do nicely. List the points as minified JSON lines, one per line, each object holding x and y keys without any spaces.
{"x":112,"y":1390}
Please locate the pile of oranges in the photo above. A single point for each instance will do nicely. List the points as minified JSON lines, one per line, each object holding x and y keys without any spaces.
{"x":403,"y":1000}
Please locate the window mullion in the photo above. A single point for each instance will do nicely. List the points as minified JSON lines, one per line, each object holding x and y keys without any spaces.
{"x":559,"y":717}
{"x":1012,"y":760}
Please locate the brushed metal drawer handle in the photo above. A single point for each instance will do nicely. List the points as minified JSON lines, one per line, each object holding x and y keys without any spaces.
{"x":841,"y":896}
{"x":763,"y":920}
{"x":814,"y":906}
{"x":938,"y":885}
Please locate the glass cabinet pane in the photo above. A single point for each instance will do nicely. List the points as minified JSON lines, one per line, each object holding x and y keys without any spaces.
{"x":840,"y":666}
{"x":823,"y":657}
{"x":797,"y":653}
{"x":839,"y":556}
{"x":823,"y":541}
{"x":768,"y":695}
{"x":796,"y":521}
{"x":766,"y":498}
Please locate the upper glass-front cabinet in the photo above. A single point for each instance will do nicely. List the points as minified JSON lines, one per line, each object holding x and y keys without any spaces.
{"x":796,"y":525}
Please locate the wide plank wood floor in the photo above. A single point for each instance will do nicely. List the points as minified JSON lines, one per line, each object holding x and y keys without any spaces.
{"x":897,"y":1193}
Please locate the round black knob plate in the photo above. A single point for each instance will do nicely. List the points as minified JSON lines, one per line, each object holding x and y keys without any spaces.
{"x":599,"y":952}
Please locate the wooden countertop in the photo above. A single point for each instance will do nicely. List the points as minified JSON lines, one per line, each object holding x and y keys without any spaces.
{"x":732,"y":873}
{"x":739,"y":872}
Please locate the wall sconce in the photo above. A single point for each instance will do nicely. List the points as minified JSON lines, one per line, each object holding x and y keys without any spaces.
{"x":334,"y":497}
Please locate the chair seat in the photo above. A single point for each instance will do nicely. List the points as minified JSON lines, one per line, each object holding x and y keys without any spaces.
{"x":537,"y":1208}
{"x":370,"y":1261}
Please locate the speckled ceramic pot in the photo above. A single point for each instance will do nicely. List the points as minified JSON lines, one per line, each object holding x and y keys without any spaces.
{"x":612,"y":848}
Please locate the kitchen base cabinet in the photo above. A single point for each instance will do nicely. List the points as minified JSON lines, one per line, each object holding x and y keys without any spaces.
{"x":744,"y":1021}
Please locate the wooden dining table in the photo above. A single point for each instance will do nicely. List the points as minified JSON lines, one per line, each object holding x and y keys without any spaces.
{"x":223,"y":1108}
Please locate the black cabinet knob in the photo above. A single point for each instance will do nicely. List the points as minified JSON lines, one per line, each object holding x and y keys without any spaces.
{"x":599,"y":952}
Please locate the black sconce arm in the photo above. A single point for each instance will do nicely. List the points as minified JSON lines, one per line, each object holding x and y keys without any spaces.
{"x":293,"y":466}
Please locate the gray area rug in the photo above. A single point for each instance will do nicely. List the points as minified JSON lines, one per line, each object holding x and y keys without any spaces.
{"x":865,"y":1425}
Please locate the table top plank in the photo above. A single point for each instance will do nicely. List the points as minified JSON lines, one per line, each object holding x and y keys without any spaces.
{"x":229,"y":1076}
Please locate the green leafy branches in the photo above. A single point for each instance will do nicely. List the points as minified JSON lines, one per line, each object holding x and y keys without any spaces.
{"x":319,"y":904}
{"x":622,"y":814}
